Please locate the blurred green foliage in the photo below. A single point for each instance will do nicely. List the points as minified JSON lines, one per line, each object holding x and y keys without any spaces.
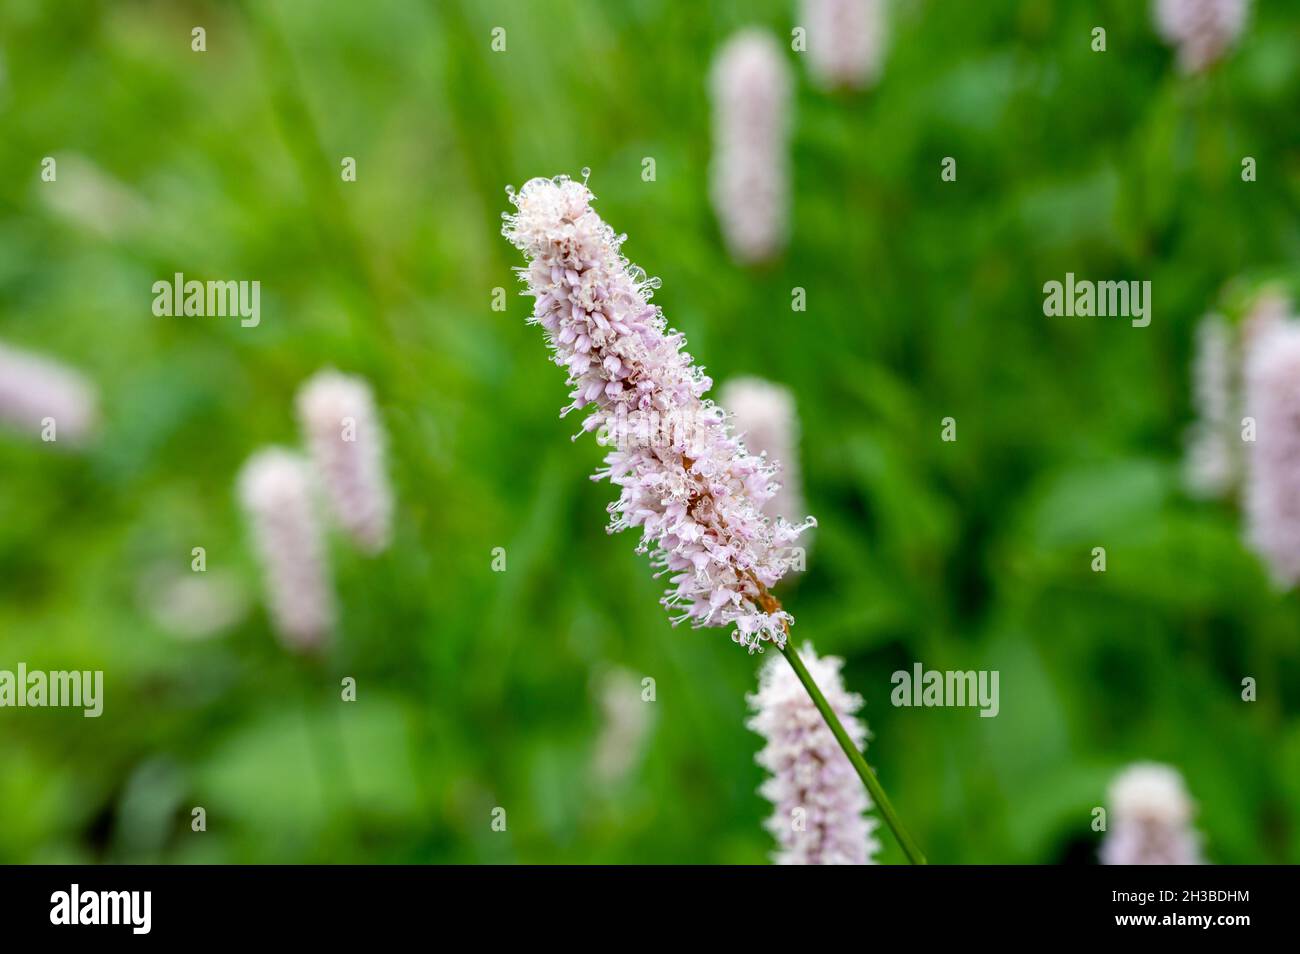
{"x":475,"y":688}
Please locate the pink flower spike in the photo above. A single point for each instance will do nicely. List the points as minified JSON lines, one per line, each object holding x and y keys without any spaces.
{"x":1150,"y":819}
{"x":684,"y":479}
{"x":1201,"y":30}
{"x":819,"y":805}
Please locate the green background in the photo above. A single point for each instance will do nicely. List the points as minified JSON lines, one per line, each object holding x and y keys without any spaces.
{"x":475,"y":688}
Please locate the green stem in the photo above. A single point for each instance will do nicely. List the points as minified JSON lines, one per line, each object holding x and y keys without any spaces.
{"x":859,"y":763}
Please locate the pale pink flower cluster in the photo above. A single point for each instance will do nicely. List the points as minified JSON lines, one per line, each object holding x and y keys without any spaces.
{"x":88,"y":198}
{"x":696,"y":498}
{"x":1213,"y":440}
{"x":846,"y":41}
{"x":277,"y":493}
{"x":626,"y":722}
{"x":1270,"y":310}
{"x":336,"y":413}
{"x":763,"y":416}
{"x":1272,"y":399}
{"x":1201,"y":30}
{"x":749,"y":174}
{"x":192,"y":606}
{"x":819,"y":802}
{"x":1149,"y":821}
{"x":35,"y":391}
